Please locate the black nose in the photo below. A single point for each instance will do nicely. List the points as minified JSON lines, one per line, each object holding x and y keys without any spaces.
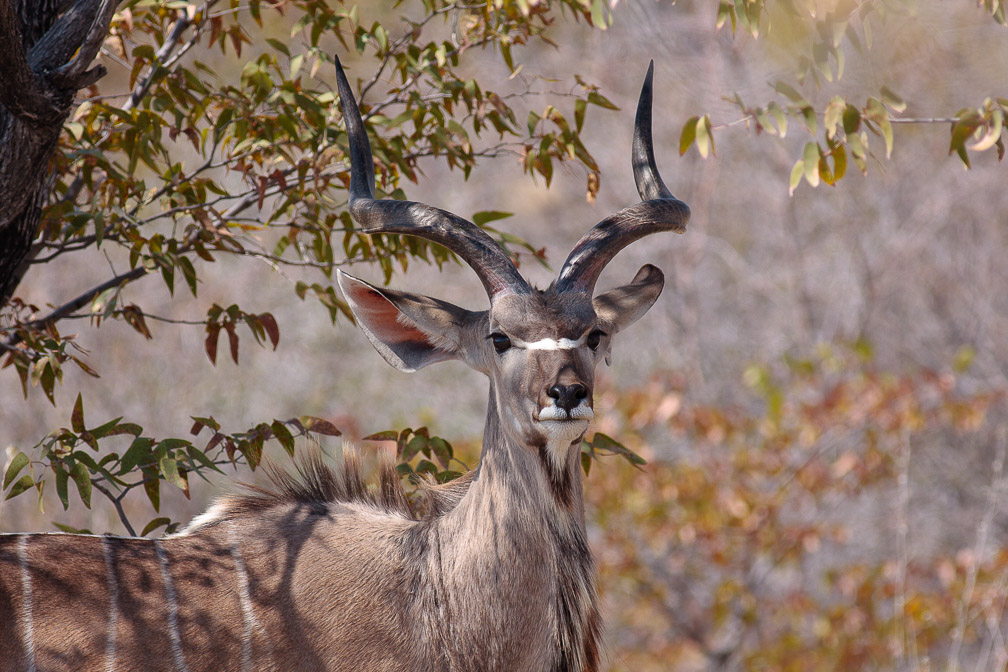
{"x":567,"y":396}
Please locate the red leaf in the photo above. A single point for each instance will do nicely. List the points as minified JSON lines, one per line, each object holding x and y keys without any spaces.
{"x":213,"y":332}
{"x":263,"y":183}
{"x":135,"y":318}
{"x":320,"y":426}
{"x":281,"y":180}
{"x":232,"y":340}
{"x":269,"y":323}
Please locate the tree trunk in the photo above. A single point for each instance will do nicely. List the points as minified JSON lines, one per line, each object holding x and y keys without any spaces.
{"x":48,"y":46}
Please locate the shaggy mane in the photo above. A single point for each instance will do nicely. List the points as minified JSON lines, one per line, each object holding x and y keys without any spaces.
{"x":315,"y":483}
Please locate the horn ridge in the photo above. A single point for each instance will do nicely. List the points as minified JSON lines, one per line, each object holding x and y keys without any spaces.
{"x":658,"y":210}
{"x":473,"y":245}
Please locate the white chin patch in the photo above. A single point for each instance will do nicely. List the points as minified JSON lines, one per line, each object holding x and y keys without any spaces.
{"x":561,"y":430}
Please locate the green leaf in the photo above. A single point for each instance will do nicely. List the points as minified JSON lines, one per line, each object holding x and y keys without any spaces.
{"x":154,"y":524}
{"x":851,"y":119}
{"x":110,"y":428}
{"x":704,"y":141}
{"x":426,"y":467}
{"x":532,"y":122}
{"x":892,"y":100}
{"x":169,"y":468}
{"x":688,"y":134}
{"x":887,"y":134}
{"x":19,"y":462}
{"x":839,"y":162}
{"x":414,"y":446}
{"x":199,"y":456}
{"x":596,"y":98}
{"x":77,"y":416}
{"x":580,"y":106}
{"x":62,"y":478}
{"x":961,"y":131}
{"x":789,"y":91}
{"x":189,"y":273}
{"x":605,"y":443}
{"x":152,"y":486}
{"x":809,"y":115}
{"x":810,"y":157}
{"x":82,"y":478}
{"x":598,"y":16}
{"x":796,"y":174}
{"x":964,"y":358}
{"x":486,"y":216}
{"x":283,"y":435}
{"x":441,"y":449}
{"x":777,"y":112}
{"x":993,"y":134}
{"x":833,"y":116}
{"x":21,"y":485}
{"x":138,"y":453}
{"x":282,"y":48}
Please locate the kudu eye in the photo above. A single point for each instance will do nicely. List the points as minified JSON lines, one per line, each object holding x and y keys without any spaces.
{"x":594,"y":338}
{"x":501,"y":342}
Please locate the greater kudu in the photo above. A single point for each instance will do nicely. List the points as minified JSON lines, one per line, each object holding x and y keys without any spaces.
{"x":326,"y":573}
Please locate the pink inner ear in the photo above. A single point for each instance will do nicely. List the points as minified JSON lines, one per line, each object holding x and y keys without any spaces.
{"x":397,"y":337}
{"x":384,"y":320}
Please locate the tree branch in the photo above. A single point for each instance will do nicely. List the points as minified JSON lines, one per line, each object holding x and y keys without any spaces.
{"x":117,"y":502}
{"x":20,"y":91}
{"x":165,"y":51}
{"x":75,"y":72}
{"x":66,"y":35}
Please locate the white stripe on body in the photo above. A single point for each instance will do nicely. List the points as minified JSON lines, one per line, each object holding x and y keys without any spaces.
{"x":26,"y":606}
{"x":250,"y":624}
{"x":173,"y":629}
{"x":113,"y":617}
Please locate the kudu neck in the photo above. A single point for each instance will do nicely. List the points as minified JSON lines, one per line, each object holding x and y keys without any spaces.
{"x":519,"y":467}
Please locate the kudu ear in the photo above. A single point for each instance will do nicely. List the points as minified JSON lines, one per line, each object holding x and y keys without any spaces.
{"x":409,"y":330}
{"x":620,"y":307}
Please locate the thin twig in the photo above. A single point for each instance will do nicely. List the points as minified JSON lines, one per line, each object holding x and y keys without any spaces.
{"x":117,"y":503}
{"x":998,"y":485}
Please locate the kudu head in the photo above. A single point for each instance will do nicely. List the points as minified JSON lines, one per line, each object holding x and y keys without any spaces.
{"x":538,"y":347}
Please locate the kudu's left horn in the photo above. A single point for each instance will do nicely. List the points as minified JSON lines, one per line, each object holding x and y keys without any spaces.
{"x":493,"y":266}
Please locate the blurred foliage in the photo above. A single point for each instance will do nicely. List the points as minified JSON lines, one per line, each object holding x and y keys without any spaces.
{"x":742,"y":551}
{"x":820,"y":36}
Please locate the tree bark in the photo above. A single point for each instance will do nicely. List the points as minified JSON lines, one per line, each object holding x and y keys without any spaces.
{"x":48,"y":47}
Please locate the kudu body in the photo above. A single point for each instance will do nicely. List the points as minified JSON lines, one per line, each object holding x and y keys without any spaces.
{"x":326,"y":573}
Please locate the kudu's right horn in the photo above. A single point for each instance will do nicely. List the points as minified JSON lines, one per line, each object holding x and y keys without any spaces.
{"x":658,"y":210}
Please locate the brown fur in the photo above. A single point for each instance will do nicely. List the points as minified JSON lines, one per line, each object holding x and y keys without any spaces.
{"x":317,"y":591}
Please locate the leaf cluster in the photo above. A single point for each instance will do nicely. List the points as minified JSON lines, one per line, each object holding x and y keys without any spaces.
{"x":840,"y":128}
{"x":742,"y":546}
